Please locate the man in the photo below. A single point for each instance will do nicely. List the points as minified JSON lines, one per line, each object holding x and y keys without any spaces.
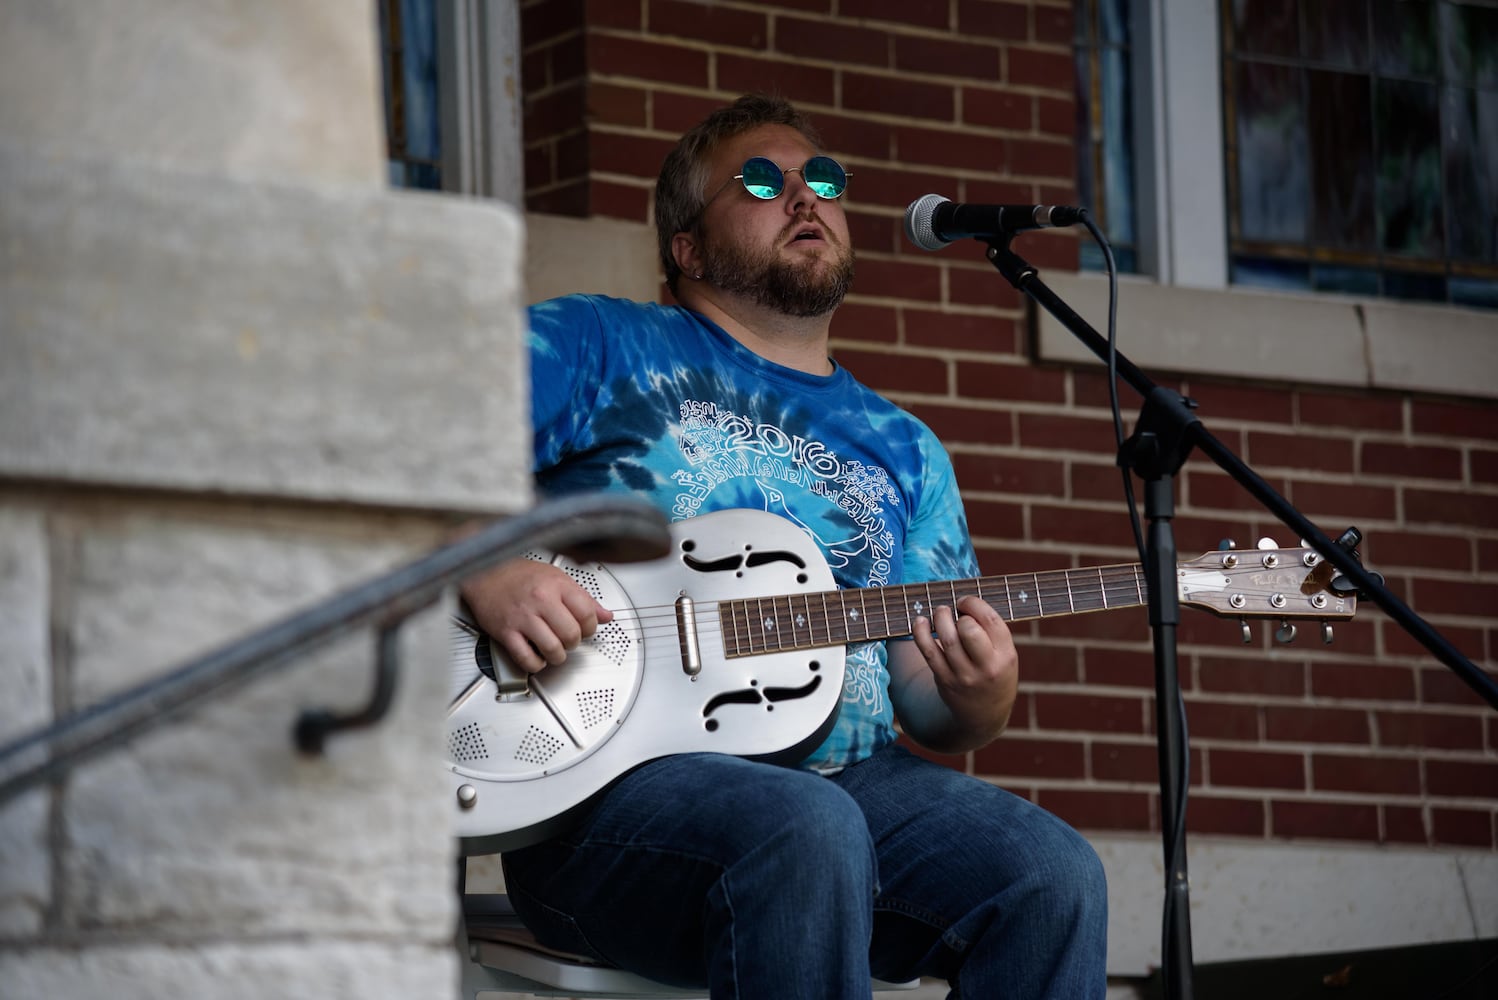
{"x":764,"y":881}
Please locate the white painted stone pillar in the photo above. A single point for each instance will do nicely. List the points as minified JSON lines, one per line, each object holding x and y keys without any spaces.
{"x":237,"y":374}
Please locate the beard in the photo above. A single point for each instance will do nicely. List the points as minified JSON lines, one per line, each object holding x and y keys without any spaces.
{"x":759,"y":274}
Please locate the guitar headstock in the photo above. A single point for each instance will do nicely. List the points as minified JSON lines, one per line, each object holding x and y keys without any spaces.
{"x":1282,"y":584}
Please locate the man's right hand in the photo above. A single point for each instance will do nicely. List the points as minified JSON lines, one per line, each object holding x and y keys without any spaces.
{"x":535,"y":611}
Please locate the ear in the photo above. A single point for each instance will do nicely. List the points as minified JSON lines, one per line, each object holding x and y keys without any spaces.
{"x":685,"y":252}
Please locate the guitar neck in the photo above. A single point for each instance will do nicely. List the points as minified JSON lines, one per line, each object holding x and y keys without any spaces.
{"x":838,"y":617}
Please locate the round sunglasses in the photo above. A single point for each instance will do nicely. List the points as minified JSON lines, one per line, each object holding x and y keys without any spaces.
{"x":763,"y":178}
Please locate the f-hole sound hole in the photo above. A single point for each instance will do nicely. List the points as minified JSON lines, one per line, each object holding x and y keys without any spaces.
{"x":725,"y":565}
{"x":746,"y":696}
{"x":765,"y":558}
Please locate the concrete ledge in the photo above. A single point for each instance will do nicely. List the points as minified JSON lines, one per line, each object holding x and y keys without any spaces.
{"x":1251,"y":899}
{"x":1314,"y":339}
{"x":187,"y":332}
{"x":235,"y":970}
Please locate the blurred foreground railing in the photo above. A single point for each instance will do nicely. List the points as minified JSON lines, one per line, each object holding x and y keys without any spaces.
{"x":595,"y":527}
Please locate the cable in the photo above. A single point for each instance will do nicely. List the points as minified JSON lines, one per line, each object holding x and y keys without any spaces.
{"x":1118,"y":431}
{"x":1175,"y":824}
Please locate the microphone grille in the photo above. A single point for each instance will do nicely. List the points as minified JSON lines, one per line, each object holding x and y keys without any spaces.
{"x":918,"y":227}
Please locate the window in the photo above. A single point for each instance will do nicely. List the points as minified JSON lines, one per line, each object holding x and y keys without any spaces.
{"x":1105,"y":128}
{"x":452,"y":109}
{"x":1361,"y":147}
{"x":413,"y":126}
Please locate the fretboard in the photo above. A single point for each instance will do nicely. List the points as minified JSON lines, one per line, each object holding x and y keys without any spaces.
{"x":838,"y":617}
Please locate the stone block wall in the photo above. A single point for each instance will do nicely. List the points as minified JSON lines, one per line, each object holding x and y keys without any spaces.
{"x":237,"y":376}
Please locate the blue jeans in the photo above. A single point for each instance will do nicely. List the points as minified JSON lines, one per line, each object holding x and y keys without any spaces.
{"x":766,"y":883}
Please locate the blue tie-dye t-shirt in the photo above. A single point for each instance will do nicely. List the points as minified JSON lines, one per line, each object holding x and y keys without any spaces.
{"x":659,"y":401}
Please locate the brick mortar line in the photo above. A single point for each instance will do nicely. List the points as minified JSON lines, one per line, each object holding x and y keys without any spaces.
{"x":1244,"y":793}
{"x":813,"y":110}
{"x":895,"y":31}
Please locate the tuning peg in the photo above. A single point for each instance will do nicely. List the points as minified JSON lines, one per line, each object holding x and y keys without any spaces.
{"x":1226,"y":545}
{"x":1326,"y":633}
{"x":1248,"y":635}
{"x":1285,"y":634}
{"x":1271,"y":558}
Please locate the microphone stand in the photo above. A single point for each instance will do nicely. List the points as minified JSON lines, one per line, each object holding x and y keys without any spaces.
{"x":1165,"y":434}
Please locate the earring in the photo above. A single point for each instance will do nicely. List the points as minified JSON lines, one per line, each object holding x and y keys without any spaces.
{"x":697,"y":276}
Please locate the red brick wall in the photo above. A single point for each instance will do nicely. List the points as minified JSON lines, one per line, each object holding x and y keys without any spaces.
{"x":1367,"y":740}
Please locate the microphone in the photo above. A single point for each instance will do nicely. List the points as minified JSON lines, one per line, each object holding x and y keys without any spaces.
{"x":931,"y":221}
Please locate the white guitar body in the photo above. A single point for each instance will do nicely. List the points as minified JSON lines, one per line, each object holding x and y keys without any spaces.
{"x":566,"y":726}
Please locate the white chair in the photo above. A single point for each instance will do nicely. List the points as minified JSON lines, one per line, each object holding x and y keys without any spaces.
{"x":504,"y":957}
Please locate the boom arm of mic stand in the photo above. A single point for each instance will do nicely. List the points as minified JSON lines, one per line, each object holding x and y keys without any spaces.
{"x":1025,"y":278}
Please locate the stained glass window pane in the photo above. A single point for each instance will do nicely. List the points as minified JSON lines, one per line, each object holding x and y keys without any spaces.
{"x":419,"y":65}
{"x":1336,"y":33}
{"x":408,"y":31}
{"x":1471,"y":129}
{"x":1340,"y":135}
{"x":1269,"y":272}
{"x":1272,"y":154}
{"x":1404,"y":38}
{"x":1469,"y":45}
{"x":1118,"y":144}
{"x":1266,"y":27}
{"x":1362,"y":146}
{"x":1114,"y":22}
{"x":1415,"y":285}
{"x":1105,"y":128}
{"x":1480,"y":292}
{"x":1409,"y":168}
{"x":1346,"y":280}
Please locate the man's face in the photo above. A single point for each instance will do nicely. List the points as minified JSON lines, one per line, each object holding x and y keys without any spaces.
{"x":790,"y":253}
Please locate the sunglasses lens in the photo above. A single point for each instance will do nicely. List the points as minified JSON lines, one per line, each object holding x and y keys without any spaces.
{"x":825,"y":176}
{"x":762,"y":178}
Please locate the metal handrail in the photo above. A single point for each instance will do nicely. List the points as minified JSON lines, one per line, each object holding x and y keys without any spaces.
{"x":610,"y":529}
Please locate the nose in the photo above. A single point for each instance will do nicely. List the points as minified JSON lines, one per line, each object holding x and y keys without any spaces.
{"x":798,"y":194}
